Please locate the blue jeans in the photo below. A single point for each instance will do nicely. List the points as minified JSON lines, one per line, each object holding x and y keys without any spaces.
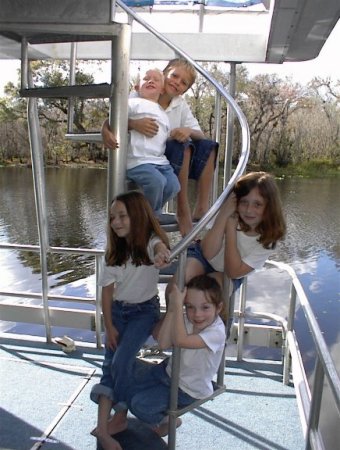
{"x":200,"y":152}
{"x":195,"y":251}
{"x":159,"y":183}
{"x":149,"y":394}
{"x":134,"y":323}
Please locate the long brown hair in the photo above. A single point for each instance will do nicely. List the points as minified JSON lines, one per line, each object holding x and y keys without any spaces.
{"x":273,"y":226}
{"x":143,"y":226}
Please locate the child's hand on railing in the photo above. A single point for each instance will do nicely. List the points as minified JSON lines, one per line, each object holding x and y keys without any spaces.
{"x":162,"y":256}
{"x":176,"y":298}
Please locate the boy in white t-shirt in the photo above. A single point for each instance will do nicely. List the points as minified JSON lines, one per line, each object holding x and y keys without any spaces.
{"x":147,"y":164}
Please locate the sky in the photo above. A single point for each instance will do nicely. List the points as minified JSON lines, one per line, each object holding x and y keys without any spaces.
{"x":325,"y":65}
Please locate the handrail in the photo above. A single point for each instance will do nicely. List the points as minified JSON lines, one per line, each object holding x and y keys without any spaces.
{"x":245,"y":134}
{"x":179,"y":249}
{"x":324,"y":366}
{"x":96,"y":253}
{"x":323,"y":355}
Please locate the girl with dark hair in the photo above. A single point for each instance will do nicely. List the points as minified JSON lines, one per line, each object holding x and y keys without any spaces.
{"x":199,"y":331}
{"x":136,"y":248}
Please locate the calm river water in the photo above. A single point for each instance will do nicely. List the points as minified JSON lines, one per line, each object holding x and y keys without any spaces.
{"x":76,"y":201}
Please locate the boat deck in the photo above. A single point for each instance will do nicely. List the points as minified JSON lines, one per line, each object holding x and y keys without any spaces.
{"x":45,"y":404}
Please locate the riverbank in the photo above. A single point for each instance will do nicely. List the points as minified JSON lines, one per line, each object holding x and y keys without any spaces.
{"x":308,"y":169}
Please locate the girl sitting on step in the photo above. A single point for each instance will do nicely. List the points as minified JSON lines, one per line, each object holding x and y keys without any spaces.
{"x":200,"y":333}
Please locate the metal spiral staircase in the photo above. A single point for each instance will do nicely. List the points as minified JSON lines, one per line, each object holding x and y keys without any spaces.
{"x":112,"y":30}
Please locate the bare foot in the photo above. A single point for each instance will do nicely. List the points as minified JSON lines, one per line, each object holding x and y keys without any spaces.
{"x":184,"y":224}
{"x":107,"y":442}
{"x":116,"y":424}
{"x":163,"y":429}
{"x":199,"y":212}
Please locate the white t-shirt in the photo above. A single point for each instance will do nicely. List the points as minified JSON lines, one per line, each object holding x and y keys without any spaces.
{"x":143,"y":149}
{"x":251,"y":251}
{"x":134,"y":284}
{"x":180,"y":115}
{"x":199,"y":366}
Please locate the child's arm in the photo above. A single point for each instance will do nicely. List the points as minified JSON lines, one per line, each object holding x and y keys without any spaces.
{"x":212,"y":242}
{"x":146,"y":125}
{"x":109,"y":139}
{"x":233,"y":264}
{"x":111,"y":331}
{"x":183,"y":134}
{"x":161,"y":255}
{"x":164,"y":333}
{"x":180,"y":336}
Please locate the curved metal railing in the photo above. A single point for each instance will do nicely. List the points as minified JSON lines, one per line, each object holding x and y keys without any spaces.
{"x":245,"y":135}
{"x":179,"y":249}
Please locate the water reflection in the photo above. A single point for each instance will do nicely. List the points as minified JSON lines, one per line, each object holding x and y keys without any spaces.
{"x":76,"y":202}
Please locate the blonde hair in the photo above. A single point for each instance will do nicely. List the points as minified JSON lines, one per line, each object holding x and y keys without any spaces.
{"x":180,"y":62}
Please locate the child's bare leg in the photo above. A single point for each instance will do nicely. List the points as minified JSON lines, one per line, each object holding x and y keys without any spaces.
{"x":118,"y":422}
{"x":163,"y":428}
{"x":101,"y":432}
{"x":204,"y":185}
{"x":115,"y":424}
{"x":183,"y":208}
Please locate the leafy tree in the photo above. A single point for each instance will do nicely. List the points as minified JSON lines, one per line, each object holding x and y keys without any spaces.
{"x":288,"y":123}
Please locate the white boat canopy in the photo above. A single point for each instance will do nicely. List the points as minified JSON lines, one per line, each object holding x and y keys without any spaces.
{"x":268,"y":31}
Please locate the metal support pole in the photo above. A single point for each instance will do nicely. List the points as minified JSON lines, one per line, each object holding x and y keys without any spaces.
{"x":290,"y":326}
{"x":24,"y":64}
{"x":175,"y":367}
{"x":227,"y":300}
{"x":241,"y":320}
{"x":98,"y":317}
{"x":217,"y":138}
{"x":230,"y":128}
{"x":119,"y":111}
{"x":40,"y":202}
{"x":201,"y":18}
{"x":314,"y":413}
{"x":72,"y":81}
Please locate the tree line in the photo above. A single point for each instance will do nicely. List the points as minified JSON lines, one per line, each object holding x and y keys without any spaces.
{"x":289,"y":123}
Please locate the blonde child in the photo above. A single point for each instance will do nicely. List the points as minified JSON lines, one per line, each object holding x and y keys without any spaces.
{"x":188,"y":151}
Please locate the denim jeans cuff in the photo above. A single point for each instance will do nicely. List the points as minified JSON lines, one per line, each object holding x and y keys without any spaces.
{"x":98,"y":390}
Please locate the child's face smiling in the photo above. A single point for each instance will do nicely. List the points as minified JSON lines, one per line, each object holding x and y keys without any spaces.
{"x":200,"y":311}
{"x":177,"y":81}
{"x":251,"y":208}
{"x":152,"y":85}
{"x":119,"y":219}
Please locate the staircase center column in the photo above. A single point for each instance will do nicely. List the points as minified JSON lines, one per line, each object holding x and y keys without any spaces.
{"x":119,"y":111}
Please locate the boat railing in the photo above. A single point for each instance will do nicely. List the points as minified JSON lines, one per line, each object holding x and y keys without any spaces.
{"x":325,"y":373}
{"x":116,"y":168}
{"x":309,"y":401}
{"x":48,"y":315}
